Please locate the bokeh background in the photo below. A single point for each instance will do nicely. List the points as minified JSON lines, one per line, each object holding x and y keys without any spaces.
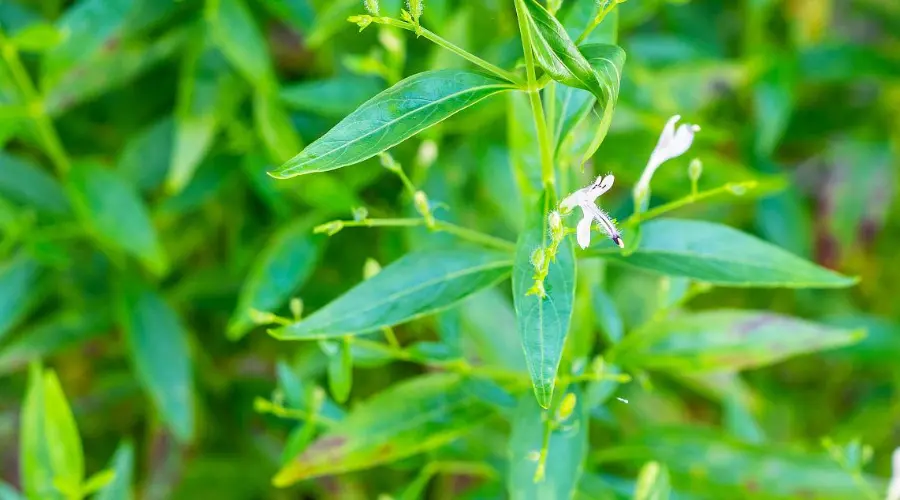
{"x":138,"y":222}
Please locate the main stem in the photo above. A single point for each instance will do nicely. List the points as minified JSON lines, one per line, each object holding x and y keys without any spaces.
{"x":537,"y":107}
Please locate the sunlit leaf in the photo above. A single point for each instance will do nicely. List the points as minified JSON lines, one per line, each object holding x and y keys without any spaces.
{"x":393,"y":116}
{"x":123,"y":465}
{"x":413,"y":286}
{"x":543,"y":322}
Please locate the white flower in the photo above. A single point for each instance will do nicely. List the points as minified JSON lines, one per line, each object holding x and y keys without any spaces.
{"x":894,"y":487}
{"x":586,"y":198}
{"x":672,"y":144}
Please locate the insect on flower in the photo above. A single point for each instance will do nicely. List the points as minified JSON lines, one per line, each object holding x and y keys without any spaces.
{"x":586,"y":199}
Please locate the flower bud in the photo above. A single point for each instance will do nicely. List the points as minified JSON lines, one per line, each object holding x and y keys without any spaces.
{"x":427,"y":153}
{"x":420,"y":200}
{"x":361,"y":21}
{"x":695,"y":169}
{"x":371,"y":268}
{"x":360,"y":213}
{"x":556,"y":226}
{"x":537,"y":259}
{"x":262,"y":317}
{"x":329,"y":228}
{"x":296,"y":307}
{"x":371,"y":6}
{"x":566,"y":407}
{"x":388,"y":162}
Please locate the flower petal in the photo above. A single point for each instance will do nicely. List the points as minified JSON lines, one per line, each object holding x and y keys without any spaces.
{"x":600,"y":186}
{"x":668,"y":132}
{"x":570,"y":202}
{"x":583,"y":231}
{"x":672,"y":144}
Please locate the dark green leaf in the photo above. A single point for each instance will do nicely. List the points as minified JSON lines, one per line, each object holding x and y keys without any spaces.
{"x":566,"y":450}
{"x":409,"y":418}
{"x":51,"y":455}
{"x":24,"y":182}
{"x":37,"y":37}
{"x":145,"y":159}
{"x":340,"y":371}
{"x":488,"y":323}
{"x":722,"y":255}
{"x":60,"y":332}
{"x":123,"y":465}
{"x":336,"y":97}
{"x":158,"y":346}
{"x":727,"y":340}
{"x":606,"y":316}
{"x":235,"y":33}
{"x":398,"y":113}
{"x":543,"y":322}
{"x":18,"y":279}
{"x":280,"y":270}
{"x":274,"y":127}
{"x":415,"y":285}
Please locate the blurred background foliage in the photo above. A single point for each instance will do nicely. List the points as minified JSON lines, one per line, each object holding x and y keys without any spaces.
{"x":143,"y":243}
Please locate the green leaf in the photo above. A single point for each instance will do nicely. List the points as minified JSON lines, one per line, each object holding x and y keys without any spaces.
{"x":727,"y":340}
{"x":236,"y":34}
{"x":607,"y":62}
{"x":409,"y":418}
{"x":37,"y":37}
{"x":85,"y":28}
{"x":7,"y":492}
{"x":278,"y":273}
{"x":25,"y":182}
{"x":652,"y":483}
{"x":392,"y":116}
{"x":522,"y":138}
{"x":543,"y":322}
{"x":566,"y":450}
{"x":274,"y":127}
{"x":489,"y":333}
{"x":340,"y":371}
{"x":51,"y":455}
{"x":115,"y":213}
{"x":57,"y":333}
{"x":145,"y":159}
{"x":773,"y":103}
{"x":208,"y":94}
{"x":18,"y":279}
{"x":158,"y":347}
{"x":123,"y":465}
{"x":415,"y":285}
{"x":768,"y":471}
{"x":721,"y":255}
{"x":557,"y":54}
{"x":335,"y":97}
{"x":97,"y":481}
{"x":606,"y":316}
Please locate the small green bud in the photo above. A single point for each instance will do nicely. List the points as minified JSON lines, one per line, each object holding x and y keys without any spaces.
{"x":329,"y":228}
{"x":420,"y":200}
{"x":566,"y":407}
{"x":695,"y":169}
{"x":262,"y":317}
{"x":371,"y":268}
{"x":262,"y":405}
{"x":427,"y":153}
{"x":537,"y":289}
{"x":371,"y":6}
{"x":557,"y":231}
{"x":537,"y":259}
{"x":390,"y":40}
{"x":296,"y":307}
{"x":388,"y":162}
{"x":360,"y":213}
{"x":416,"y":8}
{"x":362,"y":21}
{"x":554,"y":5}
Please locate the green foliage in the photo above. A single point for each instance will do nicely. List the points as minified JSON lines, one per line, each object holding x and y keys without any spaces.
{"x":491,"y":302}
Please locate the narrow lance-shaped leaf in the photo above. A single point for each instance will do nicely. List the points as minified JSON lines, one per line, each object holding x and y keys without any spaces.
{"x":389,"y":118}
{"x":556,"y":53}
{"x":334,"y":97}
{"x":409,"y":418}
{"x":158,"y":346}
{"x":543,"y":322}
{"x":51,"y":454}
{"x":566,"y":449}
{"x":274,"y":127}
{"x":24,"y":182}
{"x":17,"y":290}
{"x":727,"y":340}
{"x":123,"y":465}
{"x":417,"y":284}
{"x":236,"y":34}
{"x":280,"y":270}
{"x":721,"y":255}
{"x":115,"y":213}
{"x":652,"y":483}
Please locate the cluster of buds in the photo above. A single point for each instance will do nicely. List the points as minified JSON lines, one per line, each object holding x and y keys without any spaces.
{"x":542,"y":257}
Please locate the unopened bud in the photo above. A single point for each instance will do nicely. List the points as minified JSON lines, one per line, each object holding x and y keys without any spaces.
{"x":567,"y":406}
{"x":329,"y":228}
{"x":420,"y":200}
{"x":371,"y":6}
{"x":537,"y":259}
{"x":388,"y":162}
{"x":556,"y":226}
{"x":371,"y":268}
{"x":296,"y":307}
{"x":695,"y":169}
{"x":360,"y":213}
{"x":427,"y":154}
{"x":391,"y":41}
{"x":361,"y":21}
{"x":416,"y":8}
{"x":262,"y":317}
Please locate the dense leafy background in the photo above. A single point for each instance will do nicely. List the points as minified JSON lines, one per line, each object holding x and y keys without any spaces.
{"x":144,"y":249}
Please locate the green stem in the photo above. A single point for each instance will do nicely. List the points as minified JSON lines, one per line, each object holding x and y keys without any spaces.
{"x":35,"y":105}
{"x":688,"y":200}
{"x":472,"y":58}
{"x":537,"y":108}
{"x":474,"y":236}
{"x":595,"y":22}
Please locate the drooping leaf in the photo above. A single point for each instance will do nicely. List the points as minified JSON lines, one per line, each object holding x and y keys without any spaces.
{"x":114,"y":212}
{"x":543,"y":322}
{"x":392,"y":116}
{"x":158,"y":347}
{"x":235,"y":33}
{"x":556,"y":52}
{"x":50,"y":448}
{"x":415,"y":285}
{"x":335,"y":97}
{"x":281,"y":269}
{"x":607,"y":62}
{"x":407,"y":419}
{"x":727,"y":340}
{"x":57,"y":333}
{"x":18,"y":290}
{"x":718,"y":254}
{"x":566,"y":451}
{"x":24,"y":182}
{"x":123,"y":465}
{"x":207,"y":96}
